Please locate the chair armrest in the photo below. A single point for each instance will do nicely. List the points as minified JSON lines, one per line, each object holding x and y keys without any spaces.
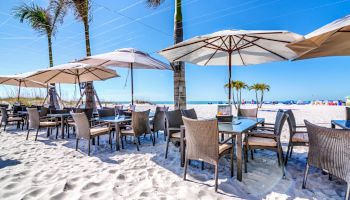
{"x":174,"y":129}
{"x":264,"y":128}
{"x":300,"y":131}
{"x":265,"y":135}
{"x":300,"y":126}
{"x":101,"y":124}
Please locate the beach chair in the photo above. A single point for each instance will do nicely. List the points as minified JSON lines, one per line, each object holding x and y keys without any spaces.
{"x":266,"y":139}
{"x":173,"y":121}
{"x":202,"y":144}
{"x":84,"y":131}
{"x":10,"y":118}
{"x":36,"y":122}
{"x":139,"y":126}
{"x":158,"y":122}
{"x":329,"y":150}
{"x":245,"y":112}
{"x":189,"y":113}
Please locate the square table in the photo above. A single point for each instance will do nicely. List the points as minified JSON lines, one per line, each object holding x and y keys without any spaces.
{"x":344,"y":124}
{"x":236,"y":128}
{"x":60,"y":116}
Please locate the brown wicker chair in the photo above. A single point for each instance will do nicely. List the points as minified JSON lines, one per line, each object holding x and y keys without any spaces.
{"x":329,"y":150}
{"x":251,"y":112}
{"x":36,"y":122}
{"x":347,"y":113}
{"x":202,"y":143}
{"x":10,"y":118}
{"x":106,"y":112}
{"x":84,"y":131}
{"x":190,"y":113}
{"x":267,"y":139}
{"x":173,"y":121}
{"x":297,"y":134}
{"x":158,"y":122}
{"x":138,"y":127}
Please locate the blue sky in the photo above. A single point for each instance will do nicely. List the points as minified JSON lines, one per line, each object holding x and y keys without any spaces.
{"x":23,"y":50}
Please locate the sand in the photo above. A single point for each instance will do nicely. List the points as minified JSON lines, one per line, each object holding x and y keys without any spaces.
{"x":52,"y":169}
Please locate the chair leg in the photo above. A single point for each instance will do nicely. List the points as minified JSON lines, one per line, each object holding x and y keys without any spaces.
{"x":167,"y":148}
{"x":330,"y":177}
{"x":202,"y":165}
{"x":89,"y":147}
{"x":157,"y":134}
{"x":280,"y":158}
{"x":122,"y":142}
{"x":245,"y":158}
{"x":291,"y":151}
{"x":27,"y":134}
{"x":288,"y":150}
{"x":305,"y":176}
{"x":251,"y":154}
{"x":137,"y":141}
{"x":154,"y":138}
{"x":56,"y":132}
{"x":36,"y":135}
{"x":76,"y":144}
{"x":185,"y":170}
{"x":216,"y":177}
{"x":347,"y":194}
{"x":5,"y":127}
{"x":110,"y":139}
{"x":231,"y":162}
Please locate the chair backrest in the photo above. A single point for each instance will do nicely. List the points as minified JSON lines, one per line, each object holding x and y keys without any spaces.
{"x":118,"y":108}
{"x":82,"y":125}
{"x":107,"y":112}
{"x":202,"y":139}
{"x":4,"y":105}
{"x":329,"y":149}
{"x":281,"y":118}
{"x":140,"y":122}
{"x":34,"y":118}
{"x":44,"y":111}
{"x":189,"y":113}
{"x":16,"y":108}
{"x":347,"y":113}
{"x":4,"y":115}
{"x":159,"y":118}
{"x":174,"y":119}
{"x":54,"y":111}
{"x":291,"y":121}
{"x":247,"y":112}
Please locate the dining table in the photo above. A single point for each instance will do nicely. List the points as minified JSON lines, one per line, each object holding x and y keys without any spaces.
{"x":117,"y":120}
{"x":61,"y":117}
{"x":234,"y":129}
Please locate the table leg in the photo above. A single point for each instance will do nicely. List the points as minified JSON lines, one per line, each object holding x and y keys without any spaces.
{"x":62,"y":127}
{"x":117,"y":137}
{"x":239,"y":155}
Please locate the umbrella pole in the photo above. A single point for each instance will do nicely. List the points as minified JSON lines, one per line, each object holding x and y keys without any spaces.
{"x":132,"y":83}
{"x":19,"y":90}
{"x":229,"y":79}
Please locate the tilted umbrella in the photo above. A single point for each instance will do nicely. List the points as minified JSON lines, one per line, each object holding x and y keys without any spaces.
{"x":20,"y":81}
{"x":332,"y":39}
{"x":74,"y":73}
{"x":127,"y":58}
{"x":233,"y":47}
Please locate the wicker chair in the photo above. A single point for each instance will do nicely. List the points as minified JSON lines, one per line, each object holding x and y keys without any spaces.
{"x":267,"y":139}
{"x":173,"y":121}
{"x":190,"y":113}
{"x":202,"y":143}
{"x":329,"y":150}
{"x":89,"y":114}
{"x":106,"y":112}
{"x":138,"y":127}
{"x":347,"y":113}
{"x":297,"y":134}
{"x":252,"y":112}
{"x":36,"y":122}
{"x":158,"y":122}
{"x":84,"y":131}
{"x":10,"y":118}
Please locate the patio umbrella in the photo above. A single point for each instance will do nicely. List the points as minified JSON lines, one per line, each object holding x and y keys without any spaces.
{"x":74,"y":73}
{"x":127,"y":58}
{"x":233,"y":47}
{"x":332,"y":39}
{"x":19,"y":80}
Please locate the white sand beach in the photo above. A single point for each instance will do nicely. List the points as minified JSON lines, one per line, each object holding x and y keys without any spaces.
{"x":52,"y":169}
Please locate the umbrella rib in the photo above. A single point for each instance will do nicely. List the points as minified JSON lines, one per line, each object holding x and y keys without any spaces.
{"x":274,"y":40}
{"x":52,"y":77}
{"x":184,"y":45}
{"x":245,"y":45}
{"x":239,"y":53}
{"x":102,"y":69}
{"x":215,"y":46}
{"x":94,"y":74}
{"x":267,"y":50}
{"x":6,"y":80}
{"x":223,"y":42}
{"x":25,"y":85}
{"x":194,"y":50}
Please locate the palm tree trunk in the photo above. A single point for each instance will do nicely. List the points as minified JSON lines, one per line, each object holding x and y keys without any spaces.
{"x":262,"y":98}
{"x":179,"y":67}
{"x":238,"y":101}
{"x":257,"y":99}
{"x":89,"y":87}
{"x":53,"y":100}
{"x":233,"y":99}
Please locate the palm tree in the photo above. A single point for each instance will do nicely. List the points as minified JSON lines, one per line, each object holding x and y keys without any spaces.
{"x":263,"y":87}
{"x":82,"y":13}
{"x":232,"y":88}
{"x":256,"y":87}
{"x":44,"y":21}
{"x":238,"y":86}
{"x":179,"y":67}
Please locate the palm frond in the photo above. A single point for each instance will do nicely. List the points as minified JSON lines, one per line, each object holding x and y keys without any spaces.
{"x":82,"y":9}
{"x":59,"y":10}
{"x":154,"y":3}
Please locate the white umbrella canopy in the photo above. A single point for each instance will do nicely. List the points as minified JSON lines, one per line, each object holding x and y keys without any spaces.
{"x":72,"y":73}
{"x":234,"y":47}
{"x":20,"y":81}
{"x":126,"y":58}
{"x":332,"y":39}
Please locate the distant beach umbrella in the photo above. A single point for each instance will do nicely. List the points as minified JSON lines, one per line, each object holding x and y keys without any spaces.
{"x":233,"y":47}
{"x":20,"y":81}
{"x":126,"y":58}
{"x":332,"y":39}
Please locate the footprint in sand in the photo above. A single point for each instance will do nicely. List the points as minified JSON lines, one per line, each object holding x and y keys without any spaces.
{"x":10,"y":186}
{"x":91,"y":185}
{"x":121,"y":177}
